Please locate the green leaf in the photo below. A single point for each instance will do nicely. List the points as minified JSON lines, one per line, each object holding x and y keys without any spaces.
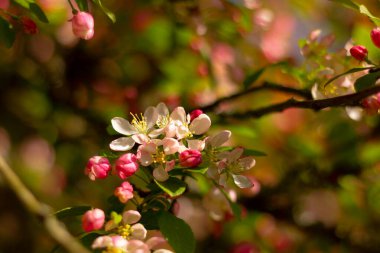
{"x":150,"y":220}
{"x":366,"y":81}
{"x":24,"y":3}
{"x":347,"y":3}
{"x":82,"y":4}
{"x":354,"y":70}
{"x":106,"y":11}
{"x":365,"y":11}
{"x":177,"y":232}
{"x":173,"y":186}
{"x":251,"y":78}
{"x":7,"y":34}
{"x":38,"y":12}
{"x":253,"y":152}
{"x":72,"y":211}
{"x":201,"y":170}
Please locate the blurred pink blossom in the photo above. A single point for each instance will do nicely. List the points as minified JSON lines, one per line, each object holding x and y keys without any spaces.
{"x":126,"y":165}
{"x":124,"y":192}
{"x":4,"y":4}
{"x":83,"y":25}
{"x":97,"y":167}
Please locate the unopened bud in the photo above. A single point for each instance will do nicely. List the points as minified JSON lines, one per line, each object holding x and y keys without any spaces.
{"x":83,"y":25}
{"x":359,"y":52}
{"x":375,"y":36}
{"x":93,"y":220}
{"x":190,"y":158}
{"x":97,"y":167}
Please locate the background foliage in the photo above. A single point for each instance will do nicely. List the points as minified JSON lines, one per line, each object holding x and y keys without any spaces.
{"x":318,"y":187}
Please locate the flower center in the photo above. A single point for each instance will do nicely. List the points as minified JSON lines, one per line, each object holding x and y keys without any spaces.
{"x":113,"y":250}
{"x":124,"y":230}
{"x":163,"y":121}
{"x":159,"y":157}
{"x":139,"y":122}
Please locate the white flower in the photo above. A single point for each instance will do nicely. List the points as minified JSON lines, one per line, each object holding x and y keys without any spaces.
{"x":185,"y":128}
{"x":139,"y":130}
{"x":217,"y":204}
{"x":129,"y":228}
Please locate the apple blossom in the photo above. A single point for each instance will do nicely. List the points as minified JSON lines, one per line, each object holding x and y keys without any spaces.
{"x":97,"y":167}
{"x":194,"y":114}
{"x":93,"y":220}
{"x":126,"y":165}
{"x":83,"y":25}
{"x":124,"y":192}
{"x":137,"y":131}
{"x":190,"y":158}
{"x":128,"y":228}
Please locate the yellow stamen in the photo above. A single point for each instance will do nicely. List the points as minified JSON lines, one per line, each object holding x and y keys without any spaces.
{"x":113,"y":250}
{"x":159,"y":157}
{"x":163,"y":121}
{"x":139,"y":122}
{"x":124,"y":230}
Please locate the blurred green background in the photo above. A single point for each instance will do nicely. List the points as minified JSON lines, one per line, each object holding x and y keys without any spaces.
{"x":318,"y":188}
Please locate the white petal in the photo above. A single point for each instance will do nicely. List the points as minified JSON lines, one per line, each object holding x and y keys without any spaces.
{"x":140,"y":138}
{"x":182,"y":132}
{"x":247,"y":162}
{"x":151,"y":116}
{"x":122,"y":126}
{"x":137,"y":246}
{"x":220,"y":138}
{"x":138,"y":231}
{"x":102,"y":242}
{"x":156,"y":132}
{"x":144,"y":157}
{"x":170,"y":146}
{"x":354,"y":112}
{"x":235,"y":154}
{"x":242,"y":181}
{"x":131,"y":217}
{"x":122,"y":144}
{"x":160,"y":174}
{"x":179,"y":114}
{"x":162,"y":251}
{"x":162,"y":109}
{"x":200,"y":125}
{"x":154,"y":242}
{"x":196,"y":144}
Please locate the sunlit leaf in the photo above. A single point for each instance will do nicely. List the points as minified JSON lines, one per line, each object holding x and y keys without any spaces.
{"x":251,"y":78}
{"x":106,"y":11}
{"x":173,"y":186}
{"x":177,"y":233}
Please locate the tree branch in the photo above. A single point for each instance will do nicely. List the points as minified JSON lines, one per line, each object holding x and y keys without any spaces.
{"x":346,"y":100}
{"x":54,"y":227}
{"x":304,"y":93}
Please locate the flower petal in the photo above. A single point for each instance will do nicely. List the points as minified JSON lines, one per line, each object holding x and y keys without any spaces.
{"x":162,"y":109}
{"x":137,"y":246}
{"x":140,"y":138}
{"x":122,"y":144}
{"x":200,"y":125}
{"x":162,"y":251}
{"x":122,"y":126}
{"x":170,"y":146}
{"x":242,"y":181}
{"x":131,"y":217}
{"x":151,"y":116}
{"x":155,"y":241}
{"x":179,"y":114}
{"x":102,"y":242}
{"x":219,"y":139}
{"x":247,"y":162}
{"x":138,"y":231}
{"x":235,"y":154}
{"x":196,"y":144}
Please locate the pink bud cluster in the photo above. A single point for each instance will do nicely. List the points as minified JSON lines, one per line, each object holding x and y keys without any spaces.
{"x":360,"y":52}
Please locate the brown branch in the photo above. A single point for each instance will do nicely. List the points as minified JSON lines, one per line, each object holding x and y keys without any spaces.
{"x":54,"y":227}
{"x":304,"y":93}
{"x":346,"y":100}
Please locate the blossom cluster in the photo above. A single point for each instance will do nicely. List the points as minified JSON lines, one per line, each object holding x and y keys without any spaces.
{"x":166,"y":147}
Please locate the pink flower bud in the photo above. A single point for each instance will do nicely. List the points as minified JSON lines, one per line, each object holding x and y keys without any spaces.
{"x":97,"y":167}
{"x":194,"y":114}
{"x":93,"y":220}
{"x":126,"y":165}
{"x":190,"y":158}
{"x":375,"y":36}
{"x":28,"y":25}
{"x":4,"y":4}
{"x":124,"y":192}
{"x":83,"y":25}
{"x":359,"y":52}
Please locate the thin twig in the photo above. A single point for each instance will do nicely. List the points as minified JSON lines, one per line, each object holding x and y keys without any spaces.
{"x":304,"y":93}
{"x":346,"y":100}
{"x":54,"y":227}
